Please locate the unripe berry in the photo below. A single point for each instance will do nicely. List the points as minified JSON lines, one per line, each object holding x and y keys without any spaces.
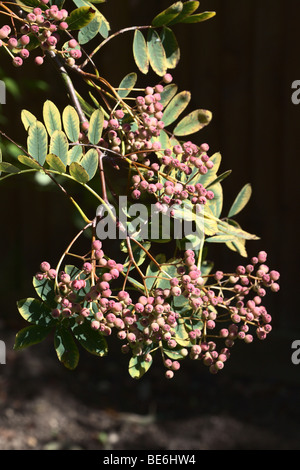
{"x":39,"y":60}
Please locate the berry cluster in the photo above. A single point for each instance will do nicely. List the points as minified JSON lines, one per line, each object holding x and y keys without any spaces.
{"x":40,"y":28}
{"x":147,"y":322}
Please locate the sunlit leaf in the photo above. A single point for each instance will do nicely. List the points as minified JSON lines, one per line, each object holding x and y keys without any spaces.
{"x":55,"y":163}
{"x":71,"y":123}
{"x":167,"y":15}
{"x":193,"y":122}
{"x":90,"y":162}
{"x":156,"y":52}
{"x":188,"y":8}
{"x":96,"y":126}
{"x":241,"y":200}
{"x":59,"y":145}
{"x":206,"y":15}
{"x":51,"y":116}
{"x":127,"y":84}
{"x":176,"y":106}
{"x":140,"y":52}
{"x":170,"y":46}
{"x":78,"y":173}
{"x":80,"y":17}
{"x":37,"y":142}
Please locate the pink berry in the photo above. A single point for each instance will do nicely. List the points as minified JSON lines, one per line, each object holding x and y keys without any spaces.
{"x":39,"y":60}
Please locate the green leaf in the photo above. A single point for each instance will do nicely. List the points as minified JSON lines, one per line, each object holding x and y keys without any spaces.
{"x":127,"y":84}
{"x":74,"y":154}
{"x":27,"y":118}
{"x":156,"y":52}
{"x":168,"y":93}
{"x":51,"y":117}
{"x":78,"y":173}
{"x":36,"y":312}
{"x":0,"y":158}
{"x":188,"y":8}
{"x":219,"y":179}
{"x":216,"y":204}
{"x":176,"y":106}
{"x":206,"y":15}
{"x":37,"y":142}
{"x":96,"y":126}
{"x":138,"y":367}
{"x":166,"y":16}
{"x":220,"y":239}
{"x":25,"y":160}
{"x":8,"y":168}
{"x":153,"y":270}
{"x":88,"y":32}
{"x":59,"y":145}
{"x":241,"y":200}
{"x":90,"y":162}
{"x":231,"y":227}
{"x":140,"y":52}
{"x":45,"y":290}
{"x":170,"y":46}
{"x":193,"y":122}
{"x":27,"y":5}
{"x":80,"y":17}
{"x":66,"y":349}
{"x":105,"y":26}
{"x":30,"y":335}
{"x":71,"y":123}
{"x":91,"y":340}
{"x":55,"y":163}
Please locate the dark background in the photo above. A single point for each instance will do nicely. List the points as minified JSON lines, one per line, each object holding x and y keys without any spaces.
{"x":240,"y":65}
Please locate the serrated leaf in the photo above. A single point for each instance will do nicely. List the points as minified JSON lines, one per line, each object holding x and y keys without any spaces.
{"x":36,"y":312}
{"x":25,"y":160}
{"x":90,"y":162}
{"x":188,"y":8}
{"x":78,"y":172}
{"x":51,"y":116}
{"x":193,"y":122}
{"x":80,"y":17}
{"x":156,"y":53}
{"x":175,"y":107}
{"x":27,"y":118}
{"x":138,"y":367}
{"x":166,"y":16}
{"x":8,"y":168}
{"x":37,"y":142}
{"x":88,"y":32}
{"x":127,"y":84}
{"x":96,"y":126}
{"x":30,"y":335}
{"x":91,"y":340}
{"x":241,"y":200}
{"x":140,"y":52}
{"x":206,"y":15}
{"x":65,"y":347}
{"x":71,"y":123}
{"x":59,"y":145}
{"x":55,"y":163}
{"x":170,"y":46}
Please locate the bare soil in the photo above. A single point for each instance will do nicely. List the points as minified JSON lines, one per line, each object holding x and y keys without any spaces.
{"x":98,"y":406}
